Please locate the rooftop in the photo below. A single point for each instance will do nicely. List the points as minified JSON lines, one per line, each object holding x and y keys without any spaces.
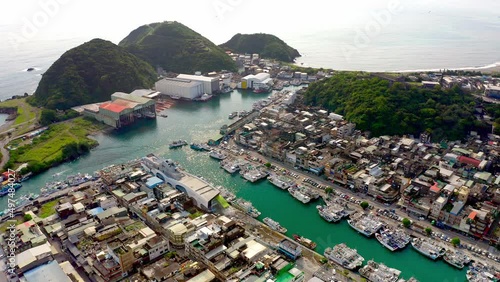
{"x":50,"y":272}
{"x":197,"y":77}
{"x":115,"y":108}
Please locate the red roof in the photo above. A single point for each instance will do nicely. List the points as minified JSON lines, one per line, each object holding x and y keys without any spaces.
{"x":113,"y":107}
{"x":472,"y":215}
{"x":435,"y":188}
{"x":469,"y":161}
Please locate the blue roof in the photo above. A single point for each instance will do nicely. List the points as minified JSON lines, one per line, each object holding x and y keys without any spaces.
{"x":47,"y":272}
{"x":95,"y":211}
{"x":153,"y":182}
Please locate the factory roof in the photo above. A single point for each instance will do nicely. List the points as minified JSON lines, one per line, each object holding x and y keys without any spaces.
{"x":112,"y":107}
{"x":47,"y":272}
{"x":181,"y":81}
{"x":201,"y":188}
{"x":125,"y":103}
{"x":197,"y":77}
{"x":125,"y":96}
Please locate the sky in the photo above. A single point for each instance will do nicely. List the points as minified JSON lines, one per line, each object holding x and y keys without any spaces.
{"x":217,"y":20}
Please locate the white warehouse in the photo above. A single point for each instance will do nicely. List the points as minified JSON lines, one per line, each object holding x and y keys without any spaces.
{"x":256,"y":81}
{"x":210,"y":84}
{"x":182,"y":88}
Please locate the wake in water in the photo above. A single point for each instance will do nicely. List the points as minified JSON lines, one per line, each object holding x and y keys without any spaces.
{"x":478,"y":68}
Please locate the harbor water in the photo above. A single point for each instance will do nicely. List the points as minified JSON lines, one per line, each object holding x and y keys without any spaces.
{"x":198,"y":122}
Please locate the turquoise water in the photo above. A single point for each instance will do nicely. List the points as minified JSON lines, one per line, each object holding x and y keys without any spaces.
{"x":3,"y":117}
{"x":198,"y":122}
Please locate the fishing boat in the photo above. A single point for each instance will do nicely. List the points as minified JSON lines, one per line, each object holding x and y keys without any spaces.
{"x":456,"y":258}
{"x":233,"y":115}
{"x":6,"y":189}
{"x":279,"y":181}
{"x":274,"y":225}
{"x":247,"y":207}
{"x":344,"y":256}
{"x":427,"y":248}
{"x":304,"y":241}
{"x":200,"y":147}
{"x":218,"y":155}
{"x":303,"y":198}
{"x":365,"y":224}
{"x":177,"y":144}
{"x":374,"y":271}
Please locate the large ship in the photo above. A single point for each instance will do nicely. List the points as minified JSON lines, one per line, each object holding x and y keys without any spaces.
{"x":77,"y":179}
{"x":393,"y":239}
{"x":303,"y":198}
{"x":344,"y":256}
{"x":304,"y":241}
{"x":218,"y":155}
{"x":327,"y":214}
{"x":479,"y":272}
{"x":365,"y":224}
{"x":427,"y":248}
{"x":274,"y":225}
{"x":253,"y":174}
{"x":177,"y":144}
{"x":200,"y":147}
{"x":231,"y":166}
{"x":456,"y":258}
{"x":247,"y":207}
{"x":379,"y":272}
{"x":279,"y":181}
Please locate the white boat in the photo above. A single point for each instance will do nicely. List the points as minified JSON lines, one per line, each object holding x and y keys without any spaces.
{"x":280,"y":182}
{"x":327,"y":214}
{"x":456,"y":258}
{"x":204,"y":97}
{"x":274,"y":225}
{"x":479,"y":272}
{"x":177,"y":144}
{"x":247,"y":207}
{"x":344,"y":256}
{"x":427,"y":248}
{"x":365,"y":224}
{"x":299,"y":195}
{"x":231,"y":166}
{"x":233,"y":115}
{"x":379,"y":272}
{"x":218,"y":155}
{"x":175,"y":97}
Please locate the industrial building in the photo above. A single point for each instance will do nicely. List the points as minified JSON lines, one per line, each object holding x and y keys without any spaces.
{"x":260,"y":80}
{"x":492,"y":91}
{"x":188,"y":86}
{"x":123,"y":109}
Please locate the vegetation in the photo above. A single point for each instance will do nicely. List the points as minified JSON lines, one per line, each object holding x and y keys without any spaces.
{"x":61,"y":142}
{"x":90,"y":73}
{"x":195,"y":214}
{"x":428,"y":231}
{"x":406,"y":222}
{"x":376,"y":105}
{"x":268,"y":165}
{"x":364,"y":205}
{"x":6,"y":224}
{"x":27,"y":217}
{"x":455,"y":241}
{"x":49,"y":116}
{"x":177,"y":48}
{"x":267,"y":45}
{"x":328,"y":190}
{"x":27,"y":115}
{"x":48,"y":209}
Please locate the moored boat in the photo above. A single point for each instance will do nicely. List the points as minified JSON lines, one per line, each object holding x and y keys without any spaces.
{"x":200,"y":147}
{"x":279,"y":182}
{"x":303,"y":198}
{"x":456,"y":258}
{"x":218,"y":155}
{"x":304,"y":241}
{"x":177,"y":144}
{"x":365,"y":224}
{"x":344,"y":256}
{"x":427,"y":248}
{"x":379,"y":272}
{"x":274,"y":225}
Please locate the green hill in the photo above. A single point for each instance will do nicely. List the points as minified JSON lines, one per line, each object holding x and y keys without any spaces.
{"x":176,"y":48}
{"x":267,"y":45}
{"x":383,"y":108}
{"x":90,"y":73}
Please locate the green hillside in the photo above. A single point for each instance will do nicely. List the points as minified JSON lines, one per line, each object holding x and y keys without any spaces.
{"x":383,"y":108}
{"x":267,"y":45}
{"x":176,"y":48}
{"x":90,"y":73}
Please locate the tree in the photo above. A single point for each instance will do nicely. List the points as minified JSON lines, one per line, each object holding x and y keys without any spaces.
{"x":406,"y":222}
{"x":47,"y":117}
{"x":428,"y":230}
{"x":455,"y":241}
{"x":27,"y":217}
{"x":364,"y":205}
{"x":268,"y":165}
{"x":328,"y":190}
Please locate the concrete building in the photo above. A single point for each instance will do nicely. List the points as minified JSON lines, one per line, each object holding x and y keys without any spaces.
{"x":183,"y":88}
{"x":210,"y":85}
{"x":492,"y":91}
{"x":123,"y":109}
{"x":260,"y":80}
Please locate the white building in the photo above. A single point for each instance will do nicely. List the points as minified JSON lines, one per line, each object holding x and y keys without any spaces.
{"x":492,"y":91}
{"x":210,"y":85}
{"x":260,"y":80}
{"x":183,"y":88}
